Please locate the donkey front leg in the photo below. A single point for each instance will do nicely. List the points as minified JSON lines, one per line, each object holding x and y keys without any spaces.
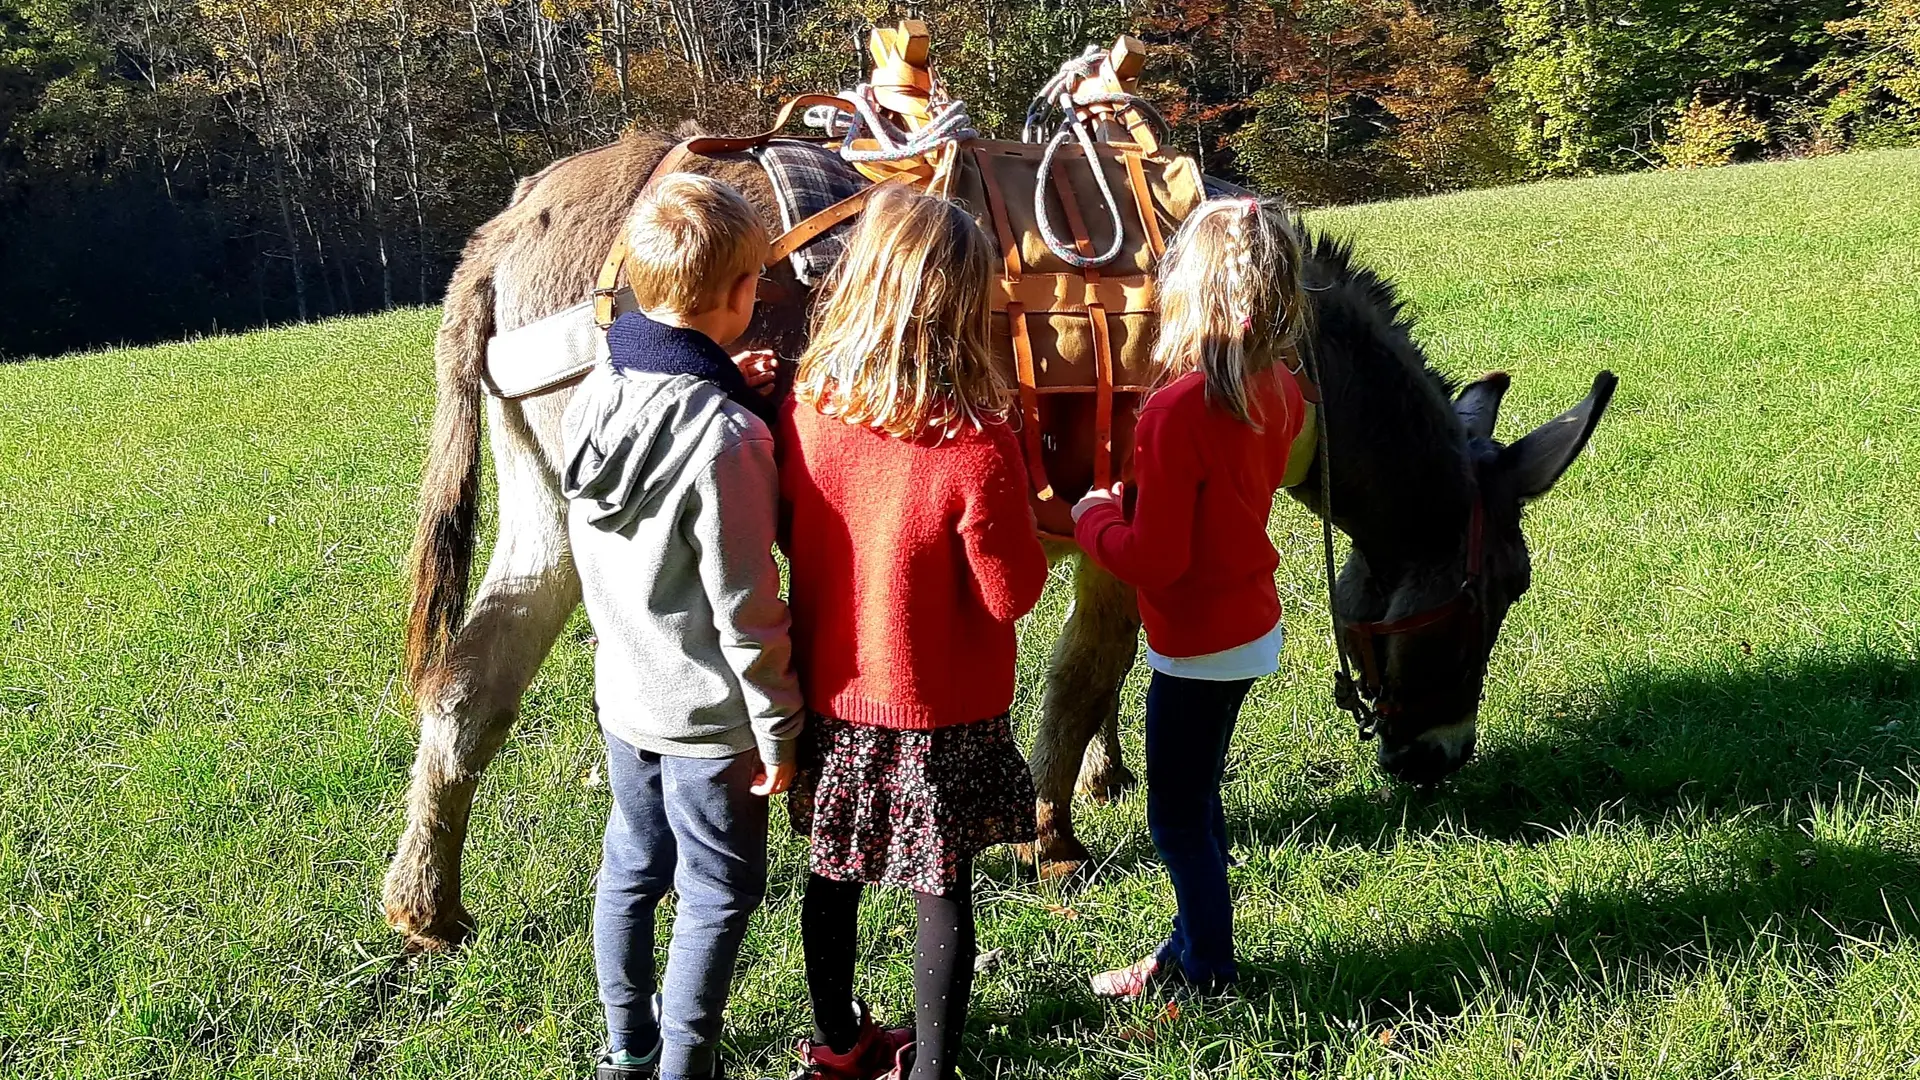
{"x":1089,"y":663}
{"x":469,"y":702}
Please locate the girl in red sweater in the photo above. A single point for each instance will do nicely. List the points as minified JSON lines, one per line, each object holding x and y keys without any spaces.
{"x":912,"y":551}
{"x":1210,"y":451}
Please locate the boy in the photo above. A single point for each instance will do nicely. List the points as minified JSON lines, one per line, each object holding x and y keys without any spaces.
{"x":673,"y":498}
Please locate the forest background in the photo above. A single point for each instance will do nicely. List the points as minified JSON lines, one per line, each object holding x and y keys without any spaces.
{"x":171,"y":167}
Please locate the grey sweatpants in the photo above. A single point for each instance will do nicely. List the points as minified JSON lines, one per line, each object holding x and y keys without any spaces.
{"x":692,"y":825}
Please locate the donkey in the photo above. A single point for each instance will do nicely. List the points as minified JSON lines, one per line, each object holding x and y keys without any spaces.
{"x":1410,"y":466}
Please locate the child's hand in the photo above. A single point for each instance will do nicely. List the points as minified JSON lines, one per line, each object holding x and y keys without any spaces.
{"x":1093,"y":498}
{"x":760,"y":366}
{"x":780,"y":780}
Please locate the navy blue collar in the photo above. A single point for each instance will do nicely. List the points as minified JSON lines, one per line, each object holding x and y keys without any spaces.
{"x":637,"y":343}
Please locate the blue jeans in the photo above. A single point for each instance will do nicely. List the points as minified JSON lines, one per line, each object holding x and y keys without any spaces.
{"x":1189,"y":723}
{"x":692,"y":825}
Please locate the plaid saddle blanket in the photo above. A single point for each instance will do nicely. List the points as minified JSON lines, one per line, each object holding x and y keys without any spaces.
{"x":807,"y":178}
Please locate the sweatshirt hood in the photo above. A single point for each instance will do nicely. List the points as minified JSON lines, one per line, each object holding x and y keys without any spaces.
{"x":629,"y":438}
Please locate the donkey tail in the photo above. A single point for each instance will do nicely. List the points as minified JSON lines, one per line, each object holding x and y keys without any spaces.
{"x":443,"y":540}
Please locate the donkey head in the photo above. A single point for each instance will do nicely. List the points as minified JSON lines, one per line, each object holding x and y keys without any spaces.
{"x":1420,"y":633}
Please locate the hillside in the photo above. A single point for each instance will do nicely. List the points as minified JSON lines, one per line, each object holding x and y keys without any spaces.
{"x":1689,"y":847}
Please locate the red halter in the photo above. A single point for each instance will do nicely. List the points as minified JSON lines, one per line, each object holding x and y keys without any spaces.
{"x":1360,"y":641}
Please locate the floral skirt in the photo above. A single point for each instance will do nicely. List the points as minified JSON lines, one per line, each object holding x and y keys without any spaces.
{"x":908,"y":808}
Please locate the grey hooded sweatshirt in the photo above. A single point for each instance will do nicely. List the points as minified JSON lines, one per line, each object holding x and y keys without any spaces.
{"x":673,"y":503}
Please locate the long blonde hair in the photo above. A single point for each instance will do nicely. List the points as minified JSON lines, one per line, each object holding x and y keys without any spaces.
{"x":900,"y":339}
{"x":1231,"y":302}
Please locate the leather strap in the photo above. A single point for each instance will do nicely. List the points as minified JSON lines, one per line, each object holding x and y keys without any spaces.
{"x":1029,"y":403}
{"x":811,"y":229}
{"x":606,"y":288}
{"x":1017,"y":330}
{"x":1097,"y":322}
{"x":1143,"y":199}
{"x":1003,"y":230}
{"x":709,"y":145}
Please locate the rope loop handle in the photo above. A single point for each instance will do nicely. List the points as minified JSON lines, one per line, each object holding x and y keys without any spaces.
{"x":1058,"y":93}
{"x":1067,"y":252}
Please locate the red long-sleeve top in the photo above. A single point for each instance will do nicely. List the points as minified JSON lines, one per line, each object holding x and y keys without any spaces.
{"x":909,"y":562}
{"x":1196,"y":546}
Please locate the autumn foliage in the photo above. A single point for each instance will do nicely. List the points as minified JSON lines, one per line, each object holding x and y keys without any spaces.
{"x":249,"y":161}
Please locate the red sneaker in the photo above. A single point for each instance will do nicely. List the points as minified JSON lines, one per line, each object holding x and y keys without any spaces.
{"x":877,"y":1053}
{"x":902,"y":1056}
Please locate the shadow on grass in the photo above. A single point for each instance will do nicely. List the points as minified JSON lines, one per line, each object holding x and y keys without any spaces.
{"x":1771,"y":890}
{"x":1774,"y":890}
{"x":1649,"y":743}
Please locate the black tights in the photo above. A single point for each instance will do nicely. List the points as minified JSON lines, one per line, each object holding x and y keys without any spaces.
{"x":943,"y":949}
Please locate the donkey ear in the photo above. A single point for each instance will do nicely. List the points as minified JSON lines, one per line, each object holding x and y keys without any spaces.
{"x":1536,"y":461}
{"x":1478,"y":405}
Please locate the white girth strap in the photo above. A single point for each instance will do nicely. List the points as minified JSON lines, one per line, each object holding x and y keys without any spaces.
{"x":542,"y":355}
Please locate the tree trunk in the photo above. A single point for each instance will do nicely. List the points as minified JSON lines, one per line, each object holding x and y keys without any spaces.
{"x":292,"y":238}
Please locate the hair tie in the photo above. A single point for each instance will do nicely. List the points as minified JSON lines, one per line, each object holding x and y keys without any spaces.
{"x":1251,"y":205}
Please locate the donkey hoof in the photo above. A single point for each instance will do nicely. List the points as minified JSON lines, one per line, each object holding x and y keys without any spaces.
{"x":1109,"y":784}
{"x":427,"y":919}
{"x":427,"y":933}
{"x":1056,"y":869}
{"x":1054,"y":857}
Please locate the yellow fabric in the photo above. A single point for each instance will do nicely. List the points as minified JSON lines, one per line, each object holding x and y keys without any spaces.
{"x":1300,"y":456}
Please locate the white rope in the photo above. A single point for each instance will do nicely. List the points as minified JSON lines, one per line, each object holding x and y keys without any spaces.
{"x":863,"y":116}
{"x":1058,"y":92}
{"x":951,"y":123}
{"x":1063,"y":81}
{"x":1069,"y":253}
{"x":831,"y":120}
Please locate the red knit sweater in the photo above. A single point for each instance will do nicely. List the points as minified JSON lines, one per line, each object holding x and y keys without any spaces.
{"x":1197,"y":545}
{"x":909,"y":564}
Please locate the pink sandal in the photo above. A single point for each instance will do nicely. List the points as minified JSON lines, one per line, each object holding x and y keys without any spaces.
{"x":1132,"y":981}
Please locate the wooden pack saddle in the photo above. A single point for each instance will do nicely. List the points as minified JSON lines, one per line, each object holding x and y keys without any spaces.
{"x":1075,"y":340}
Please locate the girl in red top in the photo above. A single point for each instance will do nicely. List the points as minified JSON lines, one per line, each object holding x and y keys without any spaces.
{"x":912,"y":551}
{"x":1210,"y":451}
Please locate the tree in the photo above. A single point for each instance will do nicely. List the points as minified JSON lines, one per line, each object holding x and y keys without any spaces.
{"x":1590,"y":85}
{"x":1870,"y":83}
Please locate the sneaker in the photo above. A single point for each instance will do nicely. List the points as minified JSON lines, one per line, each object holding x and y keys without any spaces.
{"x":625,"y":1065}
{"x":902,"y":1057}
{"x":876,"y":1053}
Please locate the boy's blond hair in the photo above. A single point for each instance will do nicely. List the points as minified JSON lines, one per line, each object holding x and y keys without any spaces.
{"x":1231,"y":302}
{"x":900,"y":338}
{"x":689,"y":239}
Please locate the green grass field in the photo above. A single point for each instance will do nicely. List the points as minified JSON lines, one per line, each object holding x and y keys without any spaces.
{"x":1690,"y":846}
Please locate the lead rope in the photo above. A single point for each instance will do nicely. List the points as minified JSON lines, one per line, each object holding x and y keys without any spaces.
{"x":1346,"y":692}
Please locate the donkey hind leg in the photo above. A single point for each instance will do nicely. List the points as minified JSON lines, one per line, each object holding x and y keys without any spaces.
{"x":470,"y":701}
{"x":1104,"y":775}
{"x":1089,"y":663}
